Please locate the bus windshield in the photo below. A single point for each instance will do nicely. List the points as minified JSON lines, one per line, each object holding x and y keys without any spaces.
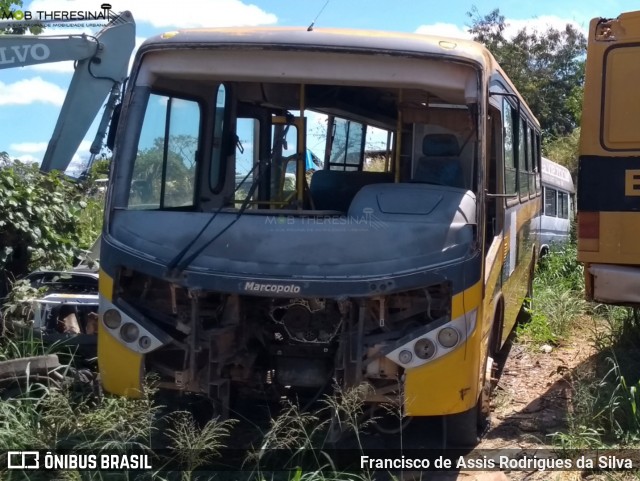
{"x":292,"y":146}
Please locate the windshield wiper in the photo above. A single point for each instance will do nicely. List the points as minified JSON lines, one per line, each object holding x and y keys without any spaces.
{"x":177,"y":264}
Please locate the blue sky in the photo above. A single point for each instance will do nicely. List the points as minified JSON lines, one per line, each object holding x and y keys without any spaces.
{"x":31,"y":97}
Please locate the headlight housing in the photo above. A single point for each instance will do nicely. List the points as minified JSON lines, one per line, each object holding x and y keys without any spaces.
{"x":112,"y":318}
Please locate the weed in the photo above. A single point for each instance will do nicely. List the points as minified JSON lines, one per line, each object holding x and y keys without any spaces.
{"x":551,"y":316}
{"x":304,"y":436}
{"x":611,"y":324}
{"x":195,"y":446}
{"x":558,"y":288}
{"x":560,"y":270}
{"x":24,"y":343}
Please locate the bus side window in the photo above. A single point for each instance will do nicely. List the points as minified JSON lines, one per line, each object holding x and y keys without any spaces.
{"x":493,"y":219}
{"x":510,"y":170}
{"x":550,"y":202}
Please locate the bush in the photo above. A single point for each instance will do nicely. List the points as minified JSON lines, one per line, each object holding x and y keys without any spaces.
{"x":41,"y":221}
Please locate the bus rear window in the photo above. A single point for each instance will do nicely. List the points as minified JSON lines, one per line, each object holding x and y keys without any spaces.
{"x":621,"y":113}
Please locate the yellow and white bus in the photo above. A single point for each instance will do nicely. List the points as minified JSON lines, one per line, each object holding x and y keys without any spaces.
{"x":609,"y":169}
{"x":231,"y":265}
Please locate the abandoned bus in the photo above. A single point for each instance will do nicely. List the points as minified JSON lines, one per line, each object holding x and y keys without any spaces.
{"x":234,"y":266}
{"x":609,"y":162}
{"x":558,"y":194}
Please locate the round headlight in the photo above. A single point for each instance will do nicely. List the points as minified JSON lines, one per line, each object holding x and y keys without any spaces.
{"x":129,"y":332}
{"x":112,"y":318}
{"x":144,"y":342}
{"x":424,"y":348}
{"x":448,"y":337}
{"x":405,"y":356}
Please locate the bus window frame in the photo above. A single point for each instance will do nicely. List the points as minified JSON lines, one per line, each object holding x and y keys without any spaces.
{"x":134,"y":147}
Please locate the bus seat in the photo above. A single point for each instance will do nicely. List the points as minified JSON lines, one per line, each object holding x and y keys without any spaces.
{"x":335,"y":189}
{"x":440,"y":163}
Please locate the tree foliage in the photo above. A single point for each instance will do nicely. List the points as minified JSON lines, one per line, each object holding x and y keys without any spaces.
{"x":546,"y":67}
{"x":41,"y":221}
{"x":564,"y":150}
{"x":179,"y":173}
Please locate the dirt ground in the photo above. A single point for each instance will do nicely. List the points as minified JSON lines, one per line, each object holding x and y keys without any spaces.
{"x":533,"y":397}
{"x":531,"y":401}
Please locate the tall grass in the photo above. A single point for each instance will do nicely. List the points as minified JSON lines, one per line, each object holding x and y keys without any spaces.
{"x":558,"y":298}
{"x":308,"y":436}
{"x":604,"y":408}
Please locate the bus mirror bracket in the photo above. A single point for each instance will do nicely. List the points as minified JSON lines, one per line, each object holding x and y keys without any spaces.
{"x":500,"y":196}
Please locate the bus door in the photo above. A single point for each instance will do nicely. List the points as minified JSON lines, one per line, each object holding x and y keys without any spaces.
{"x":495,"y":250}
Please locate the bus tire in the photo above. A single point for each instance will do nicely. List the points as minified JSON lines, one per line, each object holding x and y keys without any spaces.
{"x":461,"y":430}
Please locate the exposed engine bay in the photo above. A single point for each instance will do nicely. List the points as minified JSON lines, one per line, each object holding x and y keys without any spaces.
{"x":268,"y":346}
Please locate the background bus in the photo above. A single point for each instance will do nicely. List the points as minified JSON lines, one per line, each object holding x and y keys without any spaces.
{"x":609,"y":163}
{"x":407,"y":280}
{"x":558,"y":195}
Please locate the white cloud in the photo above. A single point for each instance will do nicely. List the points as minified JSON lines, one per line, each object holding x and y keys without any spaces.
{"x":34,"y":151}
{"x":28,"y":91}
{"x":539,"y":24}
{"x":85,"y":145}
{"x":77,"y":164}
{"x":27,"y":159}
{"x":163,"y":14}
{"x":56,"y":67}
{"x":444,"y":30}
{"x":29,"y":147}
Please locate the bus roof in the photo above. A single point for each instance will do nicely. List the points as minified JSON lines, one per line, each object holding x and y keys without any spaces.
{"x":345,"y":40}
{"x":556,"y":175}
{"x":378,"y":41}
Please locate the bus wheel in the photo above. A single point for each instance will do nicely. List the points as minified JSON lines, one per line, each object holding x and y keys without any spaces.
{"x":466,"y":428}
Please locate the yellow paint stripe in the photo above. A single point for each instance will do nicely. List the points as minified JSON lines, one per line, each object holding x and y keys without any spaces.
{"x":469,"y":299}
{"x":105,"y":286}
{"x":447,"y":385}
{"x":121,"y":369}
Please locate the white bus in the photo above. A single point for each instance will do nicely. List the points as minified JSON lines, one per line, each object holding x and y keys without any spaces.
{"x":558,"y":205}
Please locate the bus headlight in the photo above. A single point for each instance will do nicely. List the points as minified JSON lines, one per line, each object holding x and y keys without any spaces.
{"x":144,"y":342}
{"x":448,"y":337}
{"x":129,"y":332}
{"x":405,"y":357}
{"x":137,"y":333}
{"x":428,"y":346}
{"x":424,"y":348}
{"x":112,"y":318}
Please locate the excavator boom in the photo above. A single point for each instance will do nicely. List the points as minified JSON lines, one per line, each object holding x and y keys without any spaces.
{"x":101,"y":68}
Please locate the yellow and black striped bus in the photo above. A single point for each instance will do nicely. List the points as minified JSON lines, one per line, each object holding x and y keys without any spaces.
{"x":291,"y":210}
{"x":609,"y":164}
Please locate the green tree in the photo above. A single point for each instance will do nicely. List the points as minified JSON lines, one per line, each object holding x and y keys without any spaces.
{"x":546,"y":67}
{"x":564,"y":150}
{"x":179,"y":176}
